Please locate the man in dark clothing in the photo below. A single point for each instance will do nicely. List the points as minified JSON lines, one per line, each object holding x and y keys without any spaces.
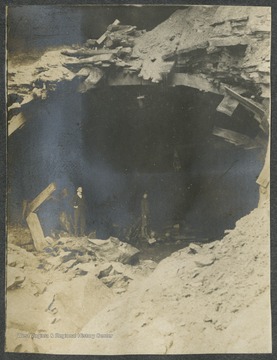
{"x":145,"y":213}
{"x":79,"y":213}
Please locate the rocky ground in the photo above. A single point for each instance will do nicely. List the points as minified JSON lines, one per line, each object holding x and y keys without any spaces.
{"x":59,"y":289}
{"x":96,"y":297}
{"x":91,"y":296}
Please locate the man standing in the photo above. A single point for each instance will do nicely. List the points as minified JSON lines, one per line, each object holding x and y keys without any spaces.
{"x":145,"y":213}
{"x":79,"y":213}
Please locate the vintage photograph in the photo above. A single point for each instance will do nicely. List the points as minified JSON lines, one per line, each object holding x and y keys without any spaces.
{"x":138,"y":198}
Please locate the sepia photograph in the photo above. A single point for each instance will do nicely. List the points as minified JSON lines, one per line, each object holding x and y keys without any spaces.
{"x":138,"y":179}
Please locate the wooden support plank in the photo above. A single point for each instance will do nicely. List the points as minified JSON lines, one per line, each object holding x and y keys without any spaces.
{"x":43,"y":196}
{"x":124,"y":29}
{"x":236,"y":138}
{"x":15,"y":123}
{"x":228,"y":105}
{"x":36,"y":231}
{"x":249,"y":104}
{"x":103,"y":37}
{"x":195,"y":81}
{"x":260,"y":114}
{"x":175,"y":79}
{"x":264,"y":125}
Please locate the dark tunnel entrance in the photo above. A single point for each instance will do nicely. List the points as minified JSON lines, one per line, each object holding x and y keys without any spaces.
{"x":120,"y":142}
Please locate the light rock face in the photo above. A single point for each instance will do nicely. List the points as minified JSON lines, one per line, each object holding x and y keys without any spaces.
{"x":213,"y":298}
{"x":214,"y":301}
{"x":229,"y":44}
{"x":59,"y":290}
{"x":225,"y":44}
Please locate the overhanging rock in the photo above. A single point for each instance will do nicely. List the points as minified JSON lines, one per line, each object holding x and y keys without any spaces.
{"x":226,"y":45}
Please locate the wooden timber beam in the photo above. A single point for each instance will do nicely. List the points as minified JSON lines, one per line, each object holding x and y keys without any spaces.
{"x":36,"y":231}
{"x":43,"y":196}
{"x":194,"y":81}
{"x":176,"y":79}
{"x":15,"y":123}
{"x":249,"y":104}
{"x":228,"y":105}
{"x":237,"y":139}
{"x":33,"y":221}
{"x":104,"y":36}
{"x":260,"y":114}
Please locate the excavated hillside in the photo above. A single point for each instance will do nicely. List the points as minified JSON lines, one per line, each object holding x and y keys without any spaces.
{"x":210,"y":298}
{"x":223,"y":44}
{"x":91,"y":296}
{"x":202,"y":299}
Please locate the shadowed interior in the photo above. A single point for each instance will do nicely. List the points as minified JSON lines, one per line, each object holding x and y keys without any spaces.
{"x":120,"y":142}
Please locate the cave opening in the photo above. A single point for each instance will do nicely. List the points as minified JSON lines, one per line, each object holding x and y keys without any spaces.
{"x":120,"y":142}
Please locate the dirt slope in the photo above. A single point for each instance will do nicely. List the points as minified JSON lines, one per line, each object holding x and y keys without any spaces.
{"x":208,"y":299}
{"x":213,"y":298}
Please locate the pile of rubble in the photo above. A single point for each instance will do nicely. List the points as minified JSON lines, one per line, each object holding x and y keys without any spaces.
{"x":202,"y":299}
{"x":225,"y":43}
{"x":222,"y":44}
{"x":208,"y":298}
{"x":213,"y":298}
{"x":65,"y":285}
